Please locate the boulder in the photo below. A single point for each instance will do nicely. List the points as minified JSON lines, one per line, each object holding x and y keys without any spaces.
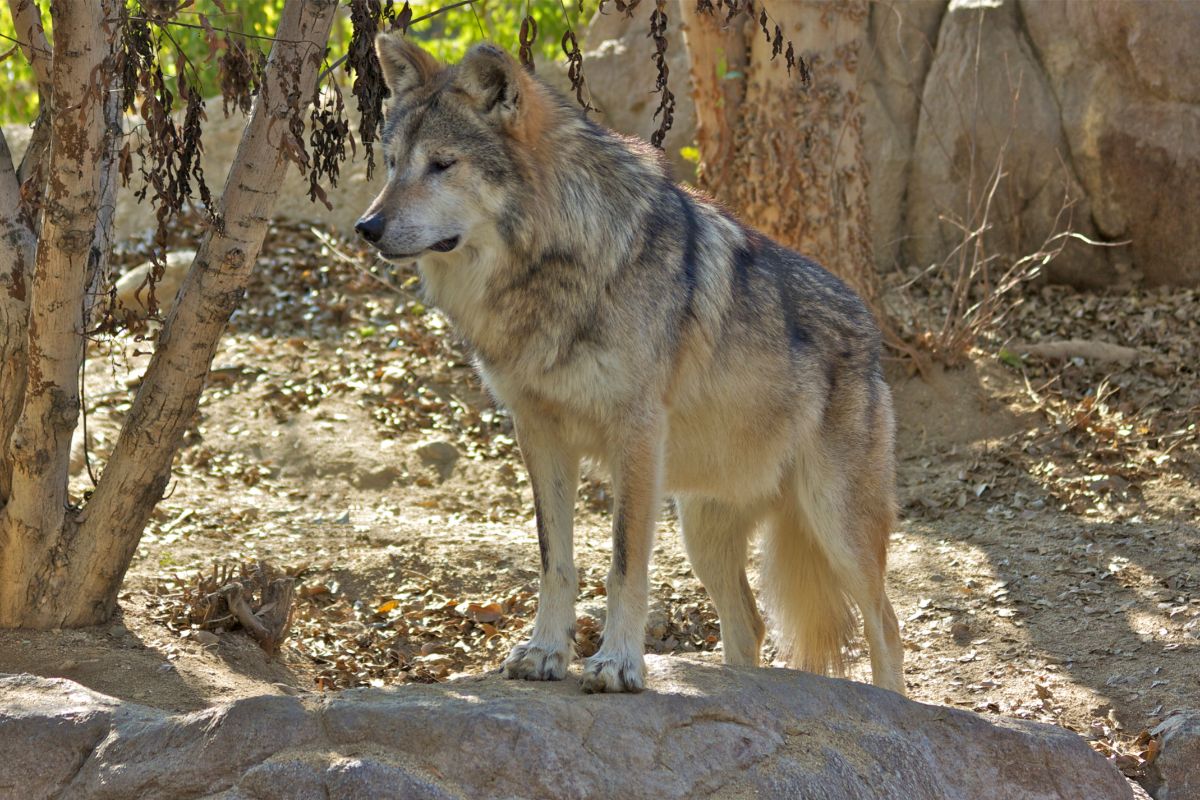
{"x":903,"y":37}
{"x":700,"y":731}
{"x":986,"y":107}
{"x":1127,"y":79}
{"x":1175,"y":773}
{"x":133,"y":290}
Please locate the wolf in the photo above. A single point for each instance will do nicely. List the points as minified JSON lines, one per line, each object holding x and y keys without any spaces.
{"x":627,"y":320}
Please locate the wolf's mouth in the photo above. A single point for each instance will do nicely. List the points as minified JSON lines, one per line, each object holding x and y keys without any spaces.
{"x":444,"y":246}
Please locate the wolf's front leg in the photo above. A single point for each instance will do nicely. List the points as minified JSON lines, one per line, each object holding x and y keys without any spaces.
{"x":619,"y":665}
{"x":554,"y":474}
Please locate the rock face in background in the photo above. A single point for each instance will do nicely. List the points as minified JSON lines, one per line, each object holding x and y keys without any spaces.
{"x":1106,"y":121}
{"x":1107,"y":117}
{"x":987,"y":107}
{"x":620,"y":75}
{"x":701,"y":731}
{"x":1108,"y":114}
{"x":903,"y":40}
{"x":1127,"y":79}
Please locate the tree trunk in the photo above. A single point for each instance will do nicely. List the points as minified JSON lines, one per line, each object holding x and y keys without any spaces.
{"x":39,"y":449}
{"x":17,"y":247}
{"x":68,"y":573}
{"x":788,"y":160}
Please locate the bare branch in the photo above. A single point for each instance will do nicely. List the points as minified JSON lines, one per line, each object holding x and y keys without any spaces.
{"x":39,"y":446}
{"x":31,"y":36}
{"x":140,"y":466}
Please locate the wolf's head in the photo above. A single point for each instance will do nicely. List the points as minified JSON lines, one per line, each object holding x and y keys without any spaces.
{"x":450,"y":141}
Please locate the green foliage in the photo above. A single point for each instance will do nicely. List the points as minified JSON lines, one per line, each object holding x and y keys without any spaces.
{"x":447,"y":35}
{"x":450,"y":34}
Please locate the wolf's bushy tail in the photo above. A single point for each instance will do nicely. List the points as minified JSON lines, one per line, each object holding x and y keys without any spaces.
{"x":809,"y":605}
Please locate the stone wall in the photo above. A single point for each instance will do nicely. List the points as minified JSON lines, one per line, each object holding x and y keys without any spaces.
{"x":1089,"y":110}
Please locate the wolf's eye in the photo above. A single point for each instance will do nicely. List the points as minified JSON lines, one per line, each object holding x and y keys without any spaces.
{"x":389,"y":162}
{"x":442,"y":164}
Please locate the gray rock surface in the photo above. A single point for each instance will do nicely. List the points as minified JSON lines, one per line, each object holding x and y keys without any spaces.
{"x":986,"y":106}
{"x":701,"y":731}
{"x":1127,"y":79}
{"x":1175,"y":774}
{"x":903,"y":38}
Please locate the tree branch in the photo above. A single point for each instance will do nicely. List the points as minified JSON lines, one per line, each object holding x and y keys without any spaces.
{"x":17,"y":247}
{"x":40,"y":444}
{"x":140,"y":466}
{"x":31,"y":36}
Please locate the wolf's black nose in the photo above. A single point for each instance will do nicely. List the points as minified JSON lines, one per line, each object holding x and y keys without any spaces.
{"x":370,"y":228}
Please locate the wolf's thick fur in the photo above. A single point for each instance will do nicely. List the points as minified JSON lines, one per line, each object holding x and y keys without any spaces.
{"x":623,"y":318}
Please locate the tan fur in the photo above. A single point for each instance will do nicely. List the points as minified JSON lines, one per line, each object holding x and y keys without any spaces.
{"x":626,"y":320}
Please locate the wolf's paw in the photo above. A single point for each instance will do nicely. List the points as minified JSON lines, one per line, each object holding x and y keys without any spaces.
{"x":533,"y":662}
{"x":614,"y":672}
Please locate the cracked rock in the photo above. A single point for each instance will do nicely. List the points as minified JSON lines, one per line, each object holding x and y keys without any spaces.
{"x":698,"y":731}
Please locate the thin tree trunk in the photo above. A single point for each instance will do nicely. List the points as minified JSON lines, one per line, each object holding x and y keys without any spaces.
{"x":39,"y":448}
{"x":140,"y":466}
{"x":17,"y":248}
{"x":718,"y":95}
{"x":796,"y":167}
{"x":27,"y":22}
{"x":18,"y":242}
{"x":68,"y":573}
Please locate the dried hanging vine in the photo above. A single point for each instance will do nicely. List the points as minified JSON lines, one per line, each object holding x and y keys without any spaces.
{"x":666,"y":102}
{"x":366,"y":19}
{"x":527,"y":39}
{"x":730,"y":8}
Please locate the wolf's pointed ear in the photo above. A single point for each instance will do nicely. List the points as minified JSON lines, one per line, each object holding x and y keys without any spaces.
{"x":493,"y":81}
{"x":405,"y":65}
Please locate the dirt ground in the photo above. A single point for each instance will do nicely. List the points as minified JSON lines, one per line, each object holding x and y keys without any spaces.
{"x":1045,"y":566}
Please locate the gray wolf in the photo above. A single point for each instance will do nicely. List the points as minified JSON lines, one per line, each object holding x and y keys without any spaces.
{"x":624,"y":319}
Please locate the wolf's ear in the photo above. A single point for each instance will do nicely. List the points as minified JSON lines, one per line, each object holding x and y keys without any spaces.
{"x":493,"y":81}
{"x":405,"y":65}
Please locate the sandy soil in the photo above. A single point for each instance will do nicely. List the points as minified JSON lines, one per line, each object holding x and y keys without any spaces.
{"x":1024,"y":590}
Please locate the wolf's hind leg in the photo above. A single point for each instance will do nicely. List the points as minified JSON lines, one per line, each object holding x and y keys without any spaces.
{"x":716,"y":536}
{"x":554,"y":473}
{"x":871,"y":525}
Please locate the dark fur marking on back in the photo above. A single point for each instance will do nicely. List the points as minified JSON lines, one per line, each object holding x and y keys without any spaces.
{"x":743,"y":263}
{"x":799,"y":337}
{"x":691,"y":232}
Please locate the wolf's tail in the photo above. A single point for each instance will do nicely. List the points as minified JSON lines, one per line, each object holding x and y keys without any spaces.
{"x":808,"y":602}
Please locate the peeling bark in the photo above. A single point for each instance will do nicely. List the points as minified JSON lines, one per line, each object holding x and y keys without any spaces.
{"x":35,"y":517}
{"x":140,"y":466}
{"x":59,"y":567}
{"x":717,"y":98}
{"x":789,"y":160}
{"x":17,"y":247}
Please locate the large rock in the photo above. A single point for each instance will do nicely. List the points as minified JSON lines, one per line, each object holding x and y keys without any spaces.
{"x":903,"y":37}
{"x":1175,"y":773}
{"x":1127,"y":78}
{"x":987,"y":106}
{"x":702,"y":731}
